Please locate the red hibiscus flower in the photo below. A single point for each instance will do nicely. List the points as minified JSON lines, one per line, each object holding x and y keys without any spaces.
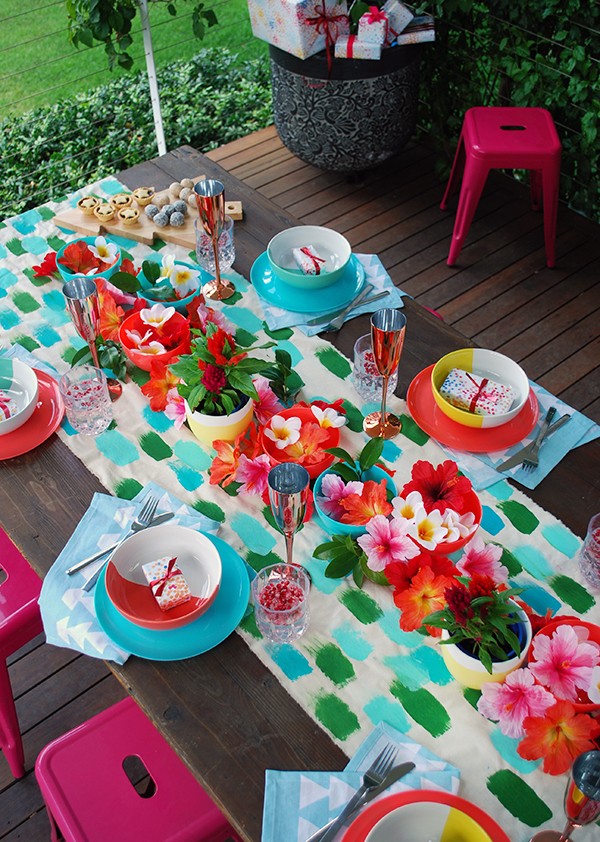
{"x":441,"y":488}
{"x":48,"y":267}
{"x":558,"y":737}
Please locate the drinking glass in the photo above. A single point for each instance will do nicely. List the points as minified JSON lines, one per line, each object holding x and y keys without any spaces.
{"x":582,"y":798}
{"x":84,"y":391}
{"x":365,"y":376}
{"x":204,"y":247}
{"x":280,"y":594}
{"x":388,"y":328}
{"x":210,"y":198}
{"x":288,"y":491}
{"x":589,"y":554}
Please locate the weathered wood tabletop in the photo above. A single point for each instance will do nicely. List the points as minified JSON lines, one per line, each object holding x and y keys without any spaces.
{"x":224,"y":712}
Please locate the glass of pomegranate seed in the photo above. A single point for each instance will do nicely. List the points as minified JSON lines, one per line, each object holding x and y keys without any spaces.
{"x":280,"y":594}
{"x":366,"y":378}
{"x":589,"y":555}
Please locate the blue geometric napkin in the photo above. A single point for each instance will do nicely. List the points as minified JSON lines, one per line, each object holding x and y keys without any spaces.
{"x":297,"y":804}
{"x":68,"y":611}
{"x":480,"y":467}
{"x":375,"y":274}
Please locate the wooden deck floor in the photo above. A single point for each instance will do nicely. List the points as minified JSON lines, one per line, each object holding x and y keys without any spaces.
{"x":501,"y":295}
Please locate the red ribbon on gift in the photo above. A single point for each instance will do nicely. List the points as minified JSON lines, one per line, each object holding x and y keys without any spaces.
{"x":5,"y":406}
{"x":316,"y":260}
{"x":162,"y":580}
{"x":350,"y":46}
{"x":481,"y":393}
{"x":374,"y":15}
{"x":322,"y":23}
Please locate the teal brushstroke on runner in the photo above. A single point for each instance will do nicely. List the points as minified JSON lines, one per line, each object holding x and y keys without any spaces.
{"x":7,"y":278}
{"x":26,"y":222}
{"x":507,"y":748}
{"x":391,"y":452}
{"x":389,"y":623}
{"x":193,"y":455}
{"x":244,"y":318}
{"x":381,"y":709}
{"x":292,"y":663}
{"x":539,"y":599}
{"x":254,"y":536}
{"x":561,"y":538}
{"x":292,"y":351}
{"x":407,"y":670}
{"x":186,"y":476}
{"x":55,"y":318}
{"x":35,"y":245}
{"x":500,"y":490}
{"x":533,"y":561}
{"x":491,"y":521}
{"x":157,"y":420}
{"x":46,"y":336}
{"x":117,"y":448}
{"x":431,"y":660}
{"x":9,"y":319}
{"x":352,"y":642}
{"x":54,"y":300}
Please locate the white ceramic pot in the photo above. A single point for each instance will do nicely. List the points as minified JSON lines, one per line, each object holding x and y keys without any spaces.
{"x":468,"y":669}
{"x":209,"y":428}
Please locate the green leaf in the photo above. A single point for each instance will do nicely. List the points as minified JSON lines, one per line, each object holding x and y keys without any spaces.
{"x":125,"y":61}
{"x":358,"y":576}
{"x":370,"y":453}
{"x":345,"y":472}
{"x":340,"y":566}
{"x":82,"y":354}
{"x":125,"y":282}
{"x":151,"y":270}
{"x":342,"y":454}
{"x":85,"y":36}
{"x":376,"y":576}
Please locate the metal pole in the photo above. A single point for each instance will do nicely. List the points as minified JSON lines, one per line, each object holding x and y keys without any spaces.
{"x":152,"y":80}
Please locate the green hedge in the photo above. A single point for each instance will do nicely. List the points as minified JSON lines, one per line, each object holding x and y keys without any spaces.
{"x":206,"y":102}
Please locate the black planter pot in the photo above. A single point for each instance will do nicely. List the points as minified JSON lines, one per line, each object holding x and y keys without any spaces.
{"x":352,"y":118}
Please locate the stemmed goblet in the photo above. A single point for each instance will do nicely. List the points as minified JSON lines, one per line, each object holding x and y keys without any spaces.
{"x":82,"y":303}
{"x":582,"y":798}
{"x":388,"y":328}
{"x":288,"y":492}
{"x":210,"y":198}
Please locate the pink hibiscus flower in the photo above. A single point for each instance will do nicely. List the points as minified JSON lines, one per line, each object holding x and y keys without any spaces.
{"x":267,"y":404}
{"x":175,"y":408}
{"x":333,"y":491}
{"x":563,"y":662}
{"x":479,"y":557}
{"x":253,"y":474}
{"x":509,"y":703}
{"x":387,"y":541}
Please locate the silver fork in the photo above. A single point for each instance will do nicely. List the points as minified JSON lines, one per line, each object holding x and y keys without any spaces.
{"x":143,"y":519}
{"x":532,"y":460}
{"x":371,"y":778}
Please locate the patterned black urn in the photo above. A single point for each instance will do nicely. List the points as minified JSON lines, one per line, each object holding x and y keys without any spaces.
{"x":350,"y":117}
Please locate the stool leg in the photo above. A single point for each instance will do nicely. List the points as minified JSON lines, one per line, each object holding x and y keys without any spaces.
{"x":457,"y":166}
{"x":550,"y":178}
{"x":535,"y":186}
{"x":10,"y":733}
{"x":474,"y":179}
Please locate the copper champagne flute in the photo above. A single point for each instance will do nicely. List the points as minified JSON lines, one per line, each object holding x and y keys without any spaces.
{"x":388,"y":328}
{"x":83,"y":305}
{"x":582,"y":798}
{"x":210,"y":198}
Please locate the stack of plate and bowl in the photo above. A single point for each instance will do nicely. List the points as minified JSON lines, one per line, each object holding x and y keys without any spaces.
{"x":31,"y":407}
{"x":278,"y":279}
{"x":464,"y":430}
{"x":130,"y":615}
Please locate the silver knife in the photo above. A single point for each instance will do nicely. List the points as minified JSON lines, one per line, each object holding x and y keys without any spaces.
{"x":392,"y":776}
{"x":84,"y":562}
{"x":522,"y":454}
{"x":361,"y":298}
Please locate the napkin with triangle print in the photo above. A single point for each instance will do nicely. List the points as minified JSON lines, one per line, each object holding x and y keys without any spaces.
{"x":297,"y":804}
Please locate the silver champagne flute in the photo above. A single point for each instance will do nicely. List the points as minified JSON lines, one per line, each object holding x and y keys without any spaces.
{"x":83,"y":305}
{"x":582,"y":798}
{"x":210,"y":198}
{"x":388,"y":328}
{"x":288,"y":492}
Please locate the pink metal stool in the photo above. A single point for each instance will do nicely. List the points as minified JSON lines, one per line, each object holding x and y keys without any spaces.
{"x":89,"y":796}
{"x":510,"y":138}
{"x":20,"y":622}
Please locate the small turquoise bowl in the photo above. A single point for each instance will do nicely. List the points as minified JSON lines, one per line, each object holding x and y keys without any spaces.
{"x":181,"y":303}
{"x":335,"y":527}
{"x":67,"y":275}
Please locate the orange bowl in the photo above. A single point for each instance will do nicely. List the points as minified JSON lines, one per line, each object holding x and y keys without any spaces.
{"x":304,"y":413}
{"x":144,"y":361}
{"x":472,"y":504}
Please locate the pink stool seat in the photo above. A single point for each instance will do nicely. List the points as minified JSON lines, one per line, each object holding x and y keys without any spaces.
{"x":507,"y":138}
{"x":90,"y":798}
{"x":20,"y":622}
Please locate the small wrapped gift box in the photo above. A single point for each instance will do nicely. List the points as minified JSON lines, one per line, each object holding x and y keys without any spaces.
{"x":167,"y":582}
{"x":398,"y":18}
{"x":299,"y":27}
{"x":308,"y":259}
{"x":476,"y":394}
{"x":352,"y":47}
{"x":8,"y":406}
{"x":419,"y":30}
{"x":373,"y":26}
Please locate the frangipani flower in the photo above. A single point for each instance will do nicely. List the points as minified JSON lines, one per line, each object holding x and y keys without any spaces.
{"x":103,"y":250}
{"x":333,"y":491}
{"x":157,"y":315}
{"x":167,"y":266}
{"x":184,"y":280}
{"x":253,"y":474}
{"x":267,"y":404}
{"x":386,"y":541}
{"x":175,"y":408}
{"x":405,"y":507}
{"x":514,"y":700}
{"x":328,"y":417}
{"x":458,"y":526}
{"x":283,"y":431}
{"x":152,"y":348}
{"x":136,"y":338}
{"x":563,"y":663}
{"x":558,"y":737}
{"x":426,"y":528}
{"x":482,"y":558}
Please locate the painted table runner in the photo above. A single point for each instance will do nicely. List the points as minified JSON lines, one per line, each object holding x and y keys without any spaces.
{"x":354,"y":668}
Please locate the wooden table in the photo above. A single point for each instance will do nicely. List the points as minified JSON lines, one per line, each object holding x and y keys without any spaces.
{"x":225,"y":713}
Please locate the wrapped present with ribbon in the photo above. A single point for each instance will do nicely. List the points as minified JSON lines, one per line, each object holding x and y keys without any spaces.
{"x":167,"y":582}
{"x":300,"y":27}
{"x":420,"y":30}
{"x":353,"y":47}
{"x":399,"y":17}
{"x":8,"y":406}
{"x":308,"y":260}
{"x":476,"y":394}
{"x":373,"y":26}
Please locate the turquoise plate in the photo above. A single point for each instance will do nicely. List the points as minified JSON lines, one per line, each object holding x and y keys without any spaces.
{"x":277,"y":292}
{"x":202,"y":634}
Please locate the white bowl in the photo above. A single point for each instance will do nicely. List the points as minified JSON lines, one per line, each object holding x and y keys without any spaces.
{"x":490,"y":364}
{"x":18,"y":384}
{"x":331,"y":246}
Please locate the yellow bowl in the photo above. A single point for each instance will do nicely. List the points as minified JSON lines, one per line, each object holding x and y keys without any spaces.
{"x":484,"y":363}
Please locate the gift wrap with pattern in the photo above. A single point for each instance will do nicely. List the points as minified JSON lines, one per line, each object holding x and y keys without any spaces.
{"x":354,"y":668}
{"x":299,"y":27}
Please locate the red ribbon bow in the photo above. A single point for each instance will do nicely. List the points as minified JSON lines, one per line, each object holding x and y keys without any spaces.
{"x":481,"y":393}
{"x":316,"y":260}
{"x":374,"y":15}
{"x":322,"y":23}
{"x":162,"y":580}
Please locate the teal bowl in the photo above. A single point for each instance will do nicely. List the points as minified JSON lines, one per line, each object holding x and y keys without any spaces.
{"x":180,"y":304}
{"x":67,"y":275}
{"x":334,"y":527}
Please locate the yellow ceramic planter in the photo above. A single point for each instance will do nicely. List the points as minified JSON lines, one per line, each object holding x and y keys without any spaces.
{"x":209,"y":428}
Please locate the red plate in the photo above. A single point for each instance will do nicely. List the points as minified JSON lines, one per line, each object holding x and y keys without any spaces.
{"x":45,"y":420}
{"x":434,"y":422}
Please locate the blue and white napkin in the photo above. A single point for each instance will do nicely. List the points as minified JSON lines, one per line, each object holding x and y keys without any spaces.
{"x":68,"y":611}
{"x":375,"y":275}
{"x":297,"y":804}
{"x":481,"y":467}
{"x":18,"y":352}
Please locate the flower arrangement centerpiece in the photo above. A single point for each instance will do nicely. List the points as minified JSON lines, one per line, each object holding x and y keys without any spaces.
{"x":154,"y":333}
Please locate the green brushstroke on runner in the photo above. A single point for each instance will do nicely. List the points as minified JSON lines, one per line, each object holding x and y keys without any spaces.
{"x":36,"y":281}
{"x":334,"y":362}
{"x":268,"y":515}
{"x":412,"y":431}
{"x":27,"y":342}
{"x":231,"y":489}
{"x":518,"y":798}
{"x":15,"y":247}
{"x":155,"y":446}
{"x":55,"y":242}
{"x":139,"y":376}
{"x":279,"y":333}
{"x":336,"y":716}
{"x":354,"y":417}
{"x":472,"y":696}
{"x":332,"y":662}
{"x":571,"y":592}
{"x":249,"y":624}
{"x":127,"y":489}
{"x":258,"y":561}
{"x":423,"y":708}
{"x":512,"y":564}
{"x":363,"y":606}
{"x":519,"y":515}
{"x":25,"y":302}
{"x":208,"y":509}
{"x":244,"y":337}
{"x":45,"y":213}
